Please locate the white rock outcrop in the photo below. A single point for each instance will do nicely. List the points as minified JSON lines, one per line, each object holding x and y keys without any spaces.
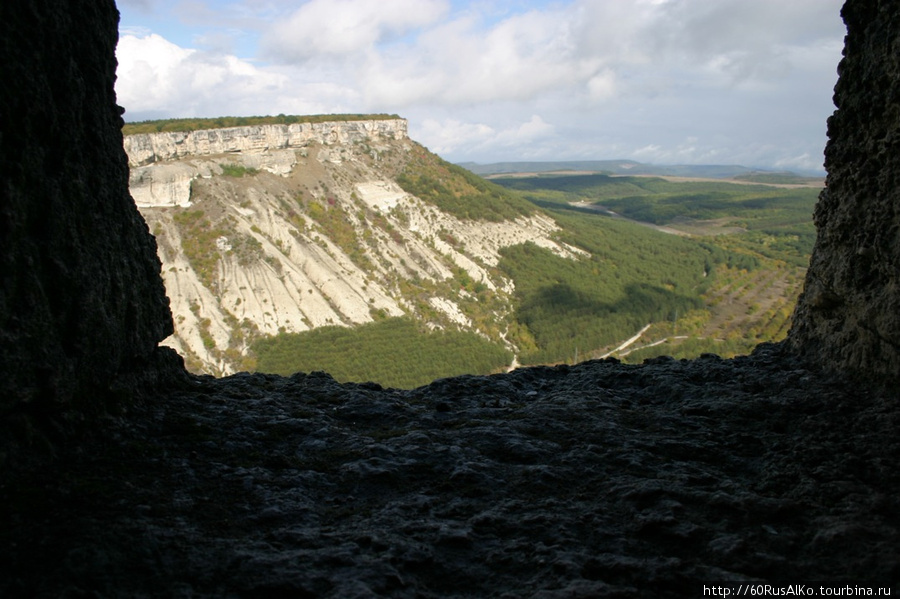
{"x":162,"y":184}
{"x":149,"y":148}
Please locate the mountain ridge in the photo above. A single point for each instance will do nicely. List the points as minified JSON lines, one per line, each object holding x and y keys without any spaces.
{"x":630,"y":167}
{"x":283,"y":228}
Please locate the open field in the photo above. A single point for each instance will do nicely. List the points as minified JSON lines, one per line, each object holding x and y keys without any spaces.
{"x":800,"y":182}
{"x":809,"y":182}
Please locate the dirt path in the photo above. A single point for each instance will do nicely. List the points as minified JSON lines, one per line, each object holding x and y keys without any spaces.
{"x":628,"y":342}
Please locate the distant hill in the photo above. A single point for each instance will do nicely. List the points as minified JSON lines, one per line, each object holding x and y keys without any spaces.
{"x":630,"y":167}
{"x":778,"y":178}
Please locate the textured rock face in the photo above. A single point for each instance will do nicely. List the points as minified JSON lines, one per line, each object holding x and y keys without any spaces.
{"x":157,"y":147}
{"x":81,"y":298}
{"x":848,"y":317}
{"x":595,"y":480}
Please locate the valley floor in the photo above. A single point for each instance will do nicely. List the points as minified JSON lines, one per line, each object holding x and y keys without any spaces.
{"x":595,"y":480}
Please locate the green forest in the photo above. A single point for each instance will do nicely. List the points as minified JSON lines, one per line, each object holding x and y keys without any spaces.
{"x":633,"y":277}
{"x":396,"y":352}
{"x":728,"y":286}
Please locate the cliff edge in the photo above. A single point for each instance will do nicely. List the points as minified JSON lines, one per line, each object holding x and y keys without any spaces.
{"x":147,"y":148}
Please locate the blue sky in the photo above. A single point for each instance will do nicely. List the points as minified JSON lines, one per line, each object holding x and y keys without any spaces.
{"x":662,"y":81}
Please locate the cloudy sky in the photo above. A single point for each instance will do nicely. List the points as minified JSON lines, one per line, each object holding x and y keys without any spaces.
{"x":662,"y":81}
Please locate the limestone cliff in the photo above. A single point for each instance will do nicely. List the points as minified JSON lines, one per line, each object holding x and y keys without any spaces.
{"x":263,"y":146}
{"x":149,"y":148}
{"x":284,"y":228}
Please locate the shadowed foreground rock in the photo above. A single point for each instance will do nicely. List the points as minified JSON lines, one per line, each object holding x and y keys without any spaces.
{"x":598,"y":480}
{"x":848,"y":316}
{"x":81,"y":299}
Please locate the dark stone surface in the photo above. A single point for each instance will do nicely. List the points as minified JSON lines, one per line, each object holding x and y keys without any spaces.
{"x":848,"y":317}
{"x":595,"y":480}
{"x":81,"y":299}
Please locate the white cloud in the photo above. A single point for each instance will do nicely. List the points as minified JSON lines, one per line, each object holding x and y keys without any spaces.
{"x":450,"y":135}
{"x":144,"y":5}
{"x":602,"y":85}
{"x":650,"y":152}
{"x":478,"y":139}
{"x":534,"y":129}
{"x":462,"y":63}
{"x":344,"y":27}
{"x":745,"y":40}
{"x":149,"y":71}
{"x":579,"y":78}
{"x":135,"y":31}
{"x":157,"y":78}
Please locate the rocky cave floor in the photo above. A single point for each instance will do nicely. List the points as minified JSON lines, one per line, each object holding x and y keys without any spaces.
{"x":594,"y":480}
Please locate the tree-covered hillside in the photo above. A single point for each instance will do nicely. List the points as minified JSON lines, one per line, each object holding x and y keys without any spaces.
{"x":750,"y":242}
{"x":457,"y":191}
{"x":633,"y":277}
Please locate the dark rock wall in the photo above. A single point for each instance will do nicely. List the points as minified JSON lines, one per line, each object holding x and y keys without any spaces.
{"x":848,"y":317}
{"x":81,"y":298}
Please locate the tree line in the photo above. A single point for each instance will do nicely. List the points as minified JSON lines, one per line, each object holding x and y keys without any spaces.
{"x":200,"y":124}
